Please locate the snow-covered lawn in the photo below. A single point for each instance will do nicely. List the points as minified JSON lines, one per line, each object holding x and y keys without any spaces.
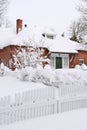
{"x":10,"y":85}
{"x":74,"y":120}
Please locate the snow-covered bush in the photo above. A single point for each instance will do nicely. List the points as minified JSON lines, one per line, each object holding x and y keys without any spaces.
{"x":52,"y":77}
{"x":78,"y":66}
{"x":39,"y":74}
{"x":2,"y":69}
{"x":23,"y":74}
{"x":30,"y":74}
{"x":83,"y":67}
{"x":48,"y":76}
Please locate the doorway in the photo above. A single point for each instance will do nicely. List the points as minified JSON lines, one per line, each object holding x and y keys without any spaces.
{"x":58,"y":62}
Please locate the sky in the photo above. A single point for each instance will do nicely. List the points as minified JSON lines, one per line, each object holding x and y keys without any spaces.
{"x":54,"y":13}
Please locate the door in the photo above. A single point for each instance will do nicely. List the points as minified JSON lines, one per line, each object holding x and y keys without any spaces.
{"x":58,"y":62}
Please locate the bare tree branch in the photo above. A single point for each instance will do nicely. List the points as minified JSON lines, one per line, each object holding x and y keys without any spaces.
{"x":77,"y":30}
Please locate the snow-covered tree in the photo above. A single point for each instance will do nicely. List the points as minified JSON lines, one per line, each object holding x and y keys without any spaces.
{"x":3,"y":11}
{"x":82,"y":7}
{"x":2,"y":69}
{"x":28,"y":57}
{"x":19,"y":60}
{"x":78,"y":30}
{"x":24,"y":58}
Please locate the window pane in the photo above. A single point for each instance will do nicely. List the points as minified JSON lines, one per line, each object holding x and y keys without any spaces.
{"x":58,"y":62}
{"x":81,"y":61}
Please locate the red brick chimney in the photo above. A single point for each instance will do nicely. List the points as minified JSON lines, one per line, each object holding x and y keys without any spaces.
{"x":19,"y":23}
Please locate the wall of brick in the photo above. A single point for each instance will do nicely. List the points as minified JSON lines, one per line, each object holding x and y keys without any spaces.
{"x":74,"y":58}
{"x":6,"y":54}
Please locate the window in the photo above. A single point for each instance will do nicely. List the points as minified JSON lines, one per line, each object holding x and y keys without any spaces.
{"x":81,"y":61}
{"x":48,"y":36}
{"x":43,"y":35}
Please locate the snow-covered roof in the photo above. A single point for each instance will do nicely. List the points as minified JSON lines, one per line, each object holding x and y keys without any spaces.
{"x":49,"y":31}
{"x":6,"y":36}
{"x":32,"y":36}
{"x":82,"y":47}
{"x":60,"y":44}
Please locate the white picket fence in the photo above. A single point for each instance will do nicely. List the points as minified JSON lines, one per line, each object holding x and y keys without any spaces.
{"x":70,"y":90}
{"x":40,"y":102}
{"x":29,"y":104}
{"x":72,"y":97}
{"x":73,"y":103}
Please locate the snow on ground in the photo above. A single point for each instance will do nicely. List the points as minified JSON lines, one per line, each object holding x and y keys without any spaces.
{"x":14,"y":81}
{"x":10,"y":83}
{"x":74,"y":120}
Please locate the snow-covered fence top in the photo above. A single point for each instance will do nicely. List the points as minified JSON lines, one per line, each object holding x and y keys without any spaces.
{"x":72,"y":90}
{"x":30,"y":96}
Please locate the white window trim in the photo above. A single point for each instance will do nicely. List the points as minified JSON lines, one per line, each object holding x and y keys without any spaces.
{"x":60,"y":55}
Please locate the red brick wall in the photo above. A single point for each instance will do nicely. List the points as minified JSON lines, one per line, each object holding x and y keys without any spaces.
{"x":7,"y":53}
{"x":74,"y":58}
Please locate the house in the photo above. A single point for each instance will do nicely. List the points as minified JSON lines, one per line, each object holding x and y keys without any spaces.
{"x":62,"y":52}
{"x":81,"y":57}
{"x":14,"y":41}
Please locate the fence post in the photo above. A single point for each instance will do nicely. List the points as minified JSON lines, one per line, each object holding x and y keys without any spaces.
{"x":55,"y":107}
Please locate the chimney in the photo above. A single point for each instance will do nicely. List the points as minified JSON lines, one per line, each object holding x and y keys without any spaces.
{"x":18,"y":25}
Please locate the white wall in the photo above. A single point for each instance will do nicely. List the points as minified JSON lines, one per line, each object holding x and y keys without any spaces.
{"x":65,"y":60}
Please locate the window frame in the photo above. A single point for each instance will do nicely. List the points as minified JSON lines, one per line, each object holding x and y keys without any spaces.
{"x":81,"y":61}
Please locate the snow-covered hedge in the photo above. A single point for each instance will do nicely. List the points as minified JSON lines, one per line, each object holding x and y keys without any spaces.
{"x":83,"y":67}
{"x":54,"y":77}
{"x":38,"y":74}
